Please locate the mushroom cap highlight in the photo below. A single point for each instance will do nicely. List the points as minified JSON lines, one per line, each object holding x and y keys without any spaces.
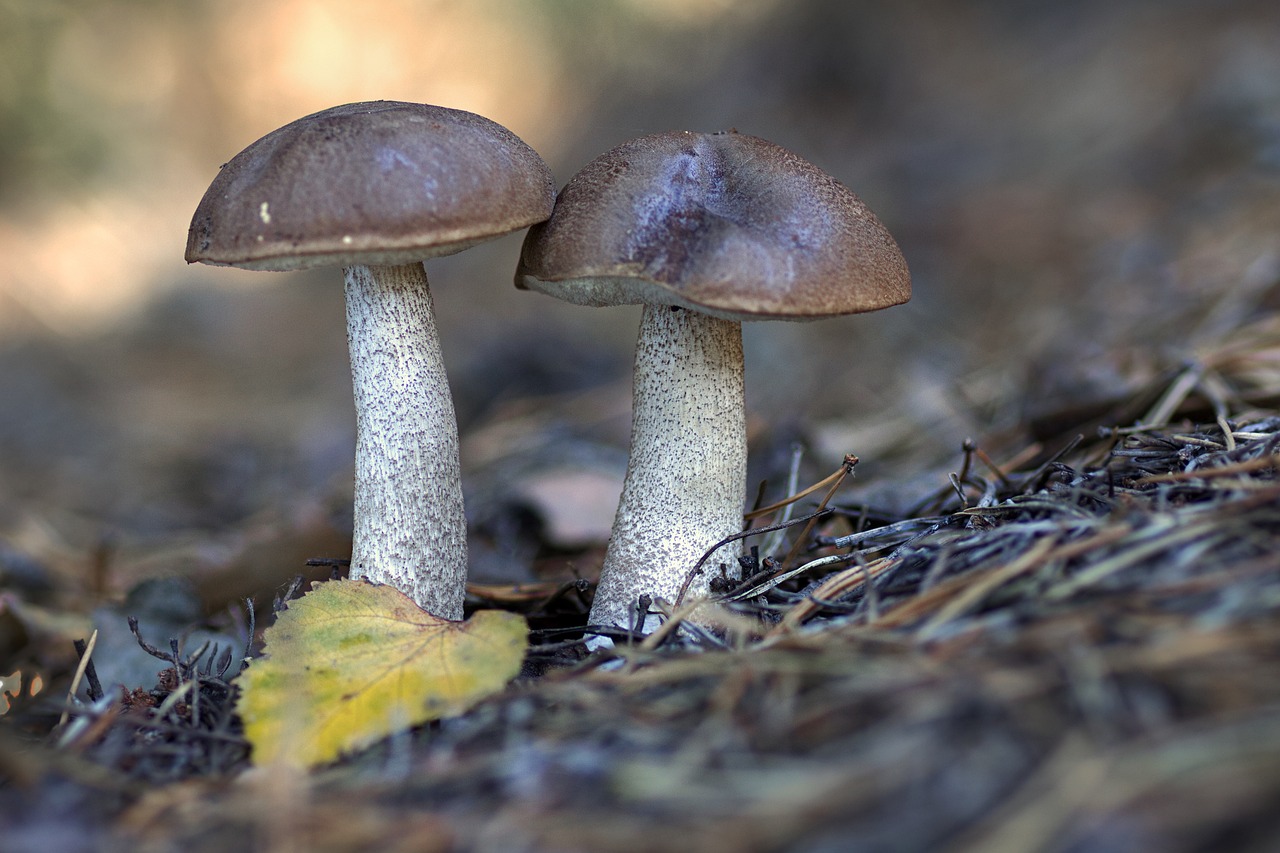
{"x":374,"y":183}
{"x":724,"y":223}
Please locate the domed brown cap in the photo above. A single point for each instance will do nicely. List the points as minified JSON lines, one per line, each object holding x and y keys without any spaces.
{"x":382,"y":182}
{"x":725,"y":223}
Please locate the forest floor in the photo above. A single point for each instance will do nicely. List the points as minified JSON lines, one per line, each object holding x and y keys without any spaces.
{"x":1070,"y":648}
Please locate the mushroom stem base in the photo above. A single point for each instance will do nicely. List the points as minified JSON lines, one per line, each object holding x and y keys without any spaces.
{"x":410,"y":528}
{"x":686,"y":478}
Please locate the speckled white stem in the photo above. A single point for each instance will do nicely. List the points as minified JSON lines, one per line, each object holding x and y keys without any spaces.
{"x":410,"y":528}
{"x":686,"y":478}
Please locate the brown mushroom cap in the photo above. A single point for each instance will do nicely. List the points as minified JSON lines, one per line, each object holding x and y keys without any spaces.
{"x":724,"y":223}
{"x":382,"y":182}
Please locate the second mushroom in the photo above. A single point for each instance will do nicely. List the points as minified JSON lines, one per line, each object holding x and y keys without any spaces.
{"x":705,"y":231}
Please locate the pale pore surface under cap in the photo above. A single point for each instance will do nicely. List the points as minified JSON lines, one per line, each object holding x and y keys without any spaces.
{"x":410,"y":528}
{"x":686,"y":478}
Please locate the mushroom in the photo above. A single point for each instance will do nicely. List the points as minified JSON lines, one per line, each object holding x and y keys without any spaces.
{"x":376,"y":188}
{"x":705,"y":231}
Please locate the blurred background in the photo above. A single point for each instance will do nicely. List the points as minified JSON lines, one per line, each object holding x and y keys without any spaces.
{"x":1085,"y":193}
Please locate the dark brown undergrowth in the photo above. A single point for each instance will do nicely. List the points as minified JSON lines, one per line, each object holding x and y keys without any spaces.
{"x":1075,"y":650}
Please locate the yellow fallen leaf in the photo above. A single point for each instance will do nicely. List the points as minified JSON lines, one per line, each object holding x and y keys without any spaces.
{"x":352,"y":662}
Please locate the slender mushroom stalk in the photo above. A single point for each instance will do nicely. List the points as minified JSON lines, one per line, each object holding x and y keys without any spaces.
{"x":376,"y":188}
{"x":687,"y":472}
{"x":727,"y":227}
{"x":408,"y":487}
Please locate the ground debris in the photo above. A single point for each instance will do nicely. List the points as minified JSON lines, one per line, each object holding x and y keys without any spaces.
{"x":1183,"y":516}
{"x":182,"y":727}
{"x":1074,"y":656}
{"x":1076,"y":650}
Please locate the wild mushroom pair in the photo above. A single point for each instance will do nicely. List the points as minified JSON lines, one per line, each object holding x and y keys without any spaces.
{"x":706,"y":230}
